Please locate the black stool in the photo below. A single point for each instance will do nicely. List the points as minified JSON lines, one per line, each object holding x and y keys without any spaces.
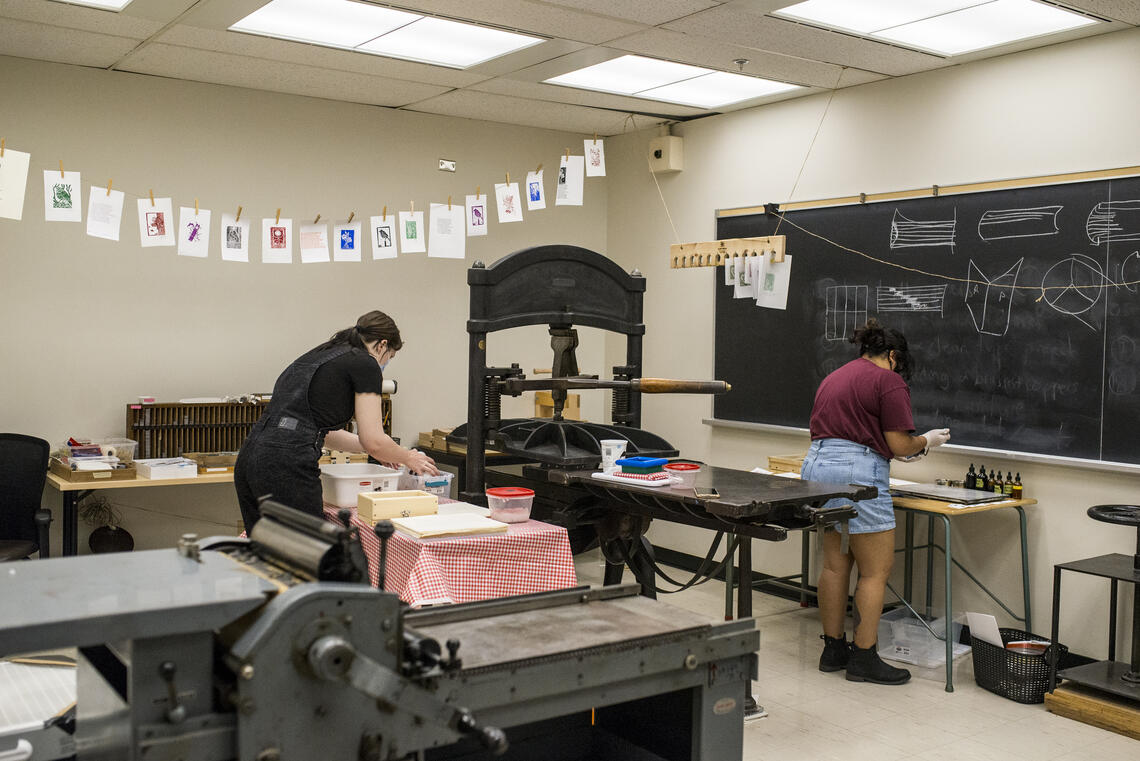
{"x":1110,"y":676}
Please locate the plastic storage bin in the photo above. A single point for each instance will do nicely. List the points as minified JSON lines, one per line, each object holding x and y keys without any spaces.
{"x":341,"y":483}
{"x":902,"y":637}
{"x":685,"y":471}
{"x":117,"y":446}
{"x":438,"y":485}
{"x":510,"y":504}
{"x":1014,"y":675}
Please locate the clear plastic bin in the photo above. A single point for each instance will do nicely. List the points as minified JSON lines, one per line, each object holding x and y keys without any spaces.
{"x":510,"y":504}
{"x":117,"y":446}
{"x":902,"y":637}
{"x":438,"y":485}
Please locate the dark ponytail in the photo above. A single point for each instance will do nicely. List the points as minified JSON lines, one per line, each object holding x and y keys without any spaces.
{"x":371,"y":327}
{"x":875,"y":341}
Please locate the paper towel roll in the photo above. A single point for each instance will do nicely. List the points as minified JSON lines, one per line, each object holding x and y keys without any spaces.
{"x":109,"y":451}
{"x":388,"y":387}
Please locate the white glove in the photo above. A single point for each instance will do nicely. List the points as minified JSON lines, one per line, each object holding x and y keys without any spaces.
{"x":935,"y":438}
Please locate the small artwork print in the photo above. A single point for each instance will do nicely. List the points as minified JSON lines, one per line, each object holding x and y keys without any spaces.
{"x":277,"y":237}
{"x":155,"y":224}
{"x":476,"y":215}
{"x":193,"y":230}
{"x":535,"y":191}
{"x":233,"y":236}
{"x":413,"y":234}
{"x":410,"y":231}
{"x":595,"y":157}
{"x":383,"y":236}
{"x":509,"y":203}
{"x":347,"y":240}
{"x":561,"y":175}
{"x":61,"y":196}
{"x":477,"y":218}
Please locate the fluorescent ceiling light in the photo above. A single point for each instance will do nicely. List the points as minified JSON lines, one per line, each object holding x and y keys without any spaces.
{"x":717,"y":89}
{"x":107,"y":5}
{"x":668,"y":81}
{"x":868,"y":15}
{"x":368,"y":28}
{"x":450,"y":43}
{"x":943,"y":27}
{"x":984,"y":26}
{"x":628,"y":75}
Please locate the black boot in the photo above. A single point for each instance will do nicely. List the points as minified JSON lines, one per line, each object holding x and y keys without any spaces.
{"x":836,"y":651}
{"x":865,"y":665}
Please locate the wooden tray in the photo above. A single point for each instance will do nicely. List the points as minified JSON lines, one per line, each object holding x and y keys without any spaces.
{"x":80,"y":476}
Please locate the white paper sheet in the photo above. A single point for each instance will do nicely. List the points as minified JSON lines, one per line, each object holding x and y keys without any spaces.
{"x":535,"y":191}
{"x":104,"y":213}
{"x":156,"y":222}
{"x":742,"y":287}
{"x":570,"y":181}
{"x":346,"y":242}
{"x":476,"y":215}
{"x":508,"y":201}
{"x":383,"y":234}
{"x":412,"y":234}
{"x":13,"y":182}
{"x":772,"y":286}
{"x":276,"y":241}
{"x":448,"y":236}
{"x":595,"y":157}
{"x":193,"y":232}
{"x":314,"y":243}
{"x":63,"y":197}
{"x":730,"y":270}
{"x":234,"y":237}
{"x":984,"y":627}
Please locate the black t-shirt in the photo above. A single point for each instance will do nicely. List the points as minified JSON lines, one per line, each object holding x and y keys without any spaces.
{"x":333,"y":390}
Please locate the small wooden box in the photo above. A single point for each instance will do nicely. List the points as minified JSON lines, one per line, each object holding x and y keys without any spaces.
{"x":66,"y":473}
{"x":786,"y":463}
{"x":373,"y":506}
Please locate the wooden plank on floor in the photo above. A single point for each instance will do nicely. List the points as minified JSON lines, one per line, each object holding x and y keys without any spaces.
{"x":1097,"y":708}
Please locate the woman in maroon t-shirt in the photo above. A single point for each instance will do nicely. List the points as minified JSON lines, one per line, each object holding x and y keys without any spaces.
{"x":861,"y":419}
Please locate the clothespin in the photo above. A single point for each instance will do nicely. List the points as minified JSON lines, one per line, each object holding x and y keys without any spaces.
{"x":108,"y":187}
{"x":595,"y":138}
{"x":195,"y":207}
{"x":477,"y":189}
{"x":567,"y":154}
{"x":318,"y":219}
{"x":384,"y":214}
{"x":449,"y":203}
{"x":413,"y":203}
{"x":351,"y":214}
{"x":508,"y":178}
{"x":538,"y":169}
{"x":238,"y":217}
{"x":1,"y":147}
{"x":61,"y":169}
{"x":151,"y":197}
{"x":777,"y":256}
{"x":278,"y":217}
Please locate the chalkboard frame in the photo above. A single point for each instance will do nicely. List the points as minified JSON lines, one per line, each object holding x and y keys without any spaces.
{"x":753,"y":221}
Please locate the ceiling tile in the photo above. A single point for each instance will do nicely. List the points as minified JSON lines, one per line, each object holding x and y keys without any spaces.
{"x":528,"y":113}
{"x":78,"y":17}
{"x":529,"y":16}
{"x":657,"y":12}
{"x":315,"y":55}
{"x":24,"y":39}
{"x":715,"y":54}
{"x":1127,"y":11}
{"x":742,"y":27}
{"x":556,"y":94}
{"x":260,"y":74}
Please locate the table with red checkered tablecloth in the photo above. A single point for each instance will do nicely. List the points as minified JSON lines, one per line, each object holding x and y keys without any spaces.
{"x":531,"y":557}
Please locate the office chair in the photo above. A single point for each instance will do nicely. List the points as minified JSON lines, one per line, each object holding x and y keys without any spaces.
{"x":23,"y":472}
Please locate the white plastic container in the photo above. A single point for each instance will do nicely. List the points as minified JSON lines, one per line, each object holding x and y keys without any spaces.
{"x":341,"y":483}
{"x":902,"y":637}
{"x":438,"y":485}
{"x":684,"y":472}
{"x":116,"y":446}
{"x":158,"y":468}
{"x":510,"y":504}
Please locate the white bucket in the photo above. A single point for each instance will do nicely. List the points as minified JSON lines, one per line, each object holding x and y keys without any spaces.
{"x":341,"y":483}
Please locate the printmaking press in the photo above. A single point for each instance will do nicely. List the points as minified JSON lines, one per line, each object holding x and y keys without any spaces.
{"x":563,"y":287}
{"x":276,"y":648}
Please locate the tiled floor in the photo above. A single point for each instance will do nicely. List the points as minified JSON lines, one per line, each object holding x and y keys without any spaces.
{"x":814,"y":716}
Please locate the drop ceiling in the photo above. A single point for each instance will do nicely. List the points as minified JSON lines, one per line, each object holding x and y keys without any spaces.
{"x":188,"y":39}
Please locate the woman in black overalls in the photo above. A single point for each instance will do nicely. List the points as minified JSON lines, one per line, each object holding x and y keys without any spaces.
{"x":312,"y":402}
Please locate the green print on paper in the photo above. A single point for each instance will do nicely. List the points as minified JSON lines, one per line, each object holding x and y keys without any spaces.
{"x":410,"y":229}
{"x":61,"y":196}
{"x":769,"y":282}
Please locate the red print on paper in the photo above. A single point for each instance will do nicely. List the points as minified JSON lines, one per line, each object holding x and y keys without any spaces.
{"x":277,"y":237}
{"x":155,"y":224}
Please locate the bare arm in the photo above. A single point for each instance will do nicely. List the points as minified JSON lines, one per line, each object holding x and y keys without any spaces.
{"x":904,"y":443}
{"x":379,"y":445}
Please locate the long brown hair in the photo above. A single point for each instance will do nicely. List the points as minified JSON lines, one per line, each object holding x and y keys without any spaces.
{"x":371,"y":327}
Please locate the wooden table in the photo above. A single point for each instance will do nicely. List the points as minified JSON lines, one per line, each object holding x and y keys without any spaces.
{"x":73,"y":491}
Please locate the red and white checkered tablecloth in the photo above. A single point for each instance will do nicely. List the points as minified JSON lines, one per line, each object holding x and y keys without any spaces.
{"x":530,"y":557}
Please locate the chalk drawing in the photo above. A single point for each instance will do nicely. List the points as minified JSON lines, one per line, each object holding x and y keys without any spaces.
{"x":1063,"y":286}
{"x":1019,"y":223}
{"x":846,"y":311}
{"x":1114,"y":220}
{"x":909,"y":233}
{"x":989,"y":299}
{"x":910,"y":298}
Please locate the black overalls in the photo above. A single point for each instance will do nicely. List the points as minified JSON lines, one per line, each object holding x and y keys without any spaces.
{"x":280,"y":456}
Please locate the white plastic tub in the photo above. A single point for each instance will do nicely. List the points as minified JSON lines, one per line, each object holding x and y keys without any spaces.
{"x":341,"y":483}
{"x":510,"y":504}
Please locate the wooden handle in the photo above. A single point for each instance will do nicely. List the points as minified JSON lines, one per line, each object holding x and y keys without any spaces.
{"x":668,"y":386}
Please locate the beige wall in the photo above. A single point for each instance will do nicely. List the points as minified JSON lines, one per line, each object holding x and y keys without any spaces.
{"x":1058,"y":109}
{"x":91,"y":324}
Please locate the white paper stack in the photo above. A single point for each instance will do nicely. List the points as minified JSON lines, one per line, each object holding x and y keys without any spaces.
{"x":460,"y":524}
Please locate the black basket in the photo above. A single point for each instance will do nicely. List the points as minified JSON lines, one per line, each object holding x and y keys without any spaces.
{"x":1016,"y":676}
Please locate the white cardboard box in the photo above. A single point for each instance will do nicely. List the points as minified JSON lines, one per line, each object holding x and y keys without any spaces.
{"x":167,"y":467}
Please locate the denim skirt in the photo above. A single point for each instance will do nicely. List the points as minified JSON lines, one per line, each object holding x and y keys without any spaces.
{"x":839,"y":461}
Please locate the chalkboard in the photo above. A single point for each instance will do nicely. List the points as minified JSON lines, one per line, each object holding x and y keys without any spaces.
{"x":1053,"y":370}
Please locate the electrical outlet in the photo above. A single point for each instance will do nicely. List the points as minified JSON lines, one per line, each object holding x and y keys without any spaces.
{"x":446,"y":165}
